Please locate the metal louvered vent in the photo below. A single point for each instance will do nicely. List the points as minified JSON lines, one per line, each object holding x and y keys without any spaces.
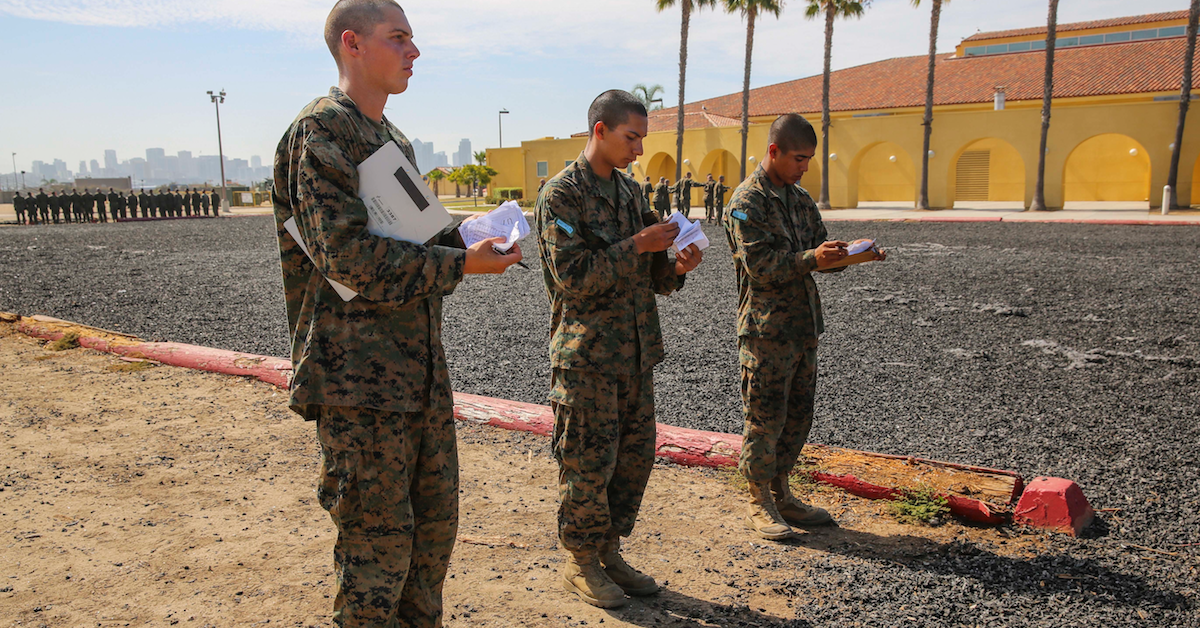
{"x":972,"y":178}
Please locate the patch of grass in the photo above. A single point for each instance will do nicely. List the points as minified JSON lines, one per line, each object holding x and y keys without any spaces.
{"x":734,"y":478}
{"x":70,"y":340}
{"x":920,"y":506}
{"x":130,"y":367}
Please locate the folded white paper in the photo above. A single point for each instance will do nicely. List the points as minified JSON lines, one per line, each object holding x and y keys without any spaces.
{"x":506,"y":221}
{"x":344,"y":292}
{"x":689,"y":233}
{"x":860,"y":247}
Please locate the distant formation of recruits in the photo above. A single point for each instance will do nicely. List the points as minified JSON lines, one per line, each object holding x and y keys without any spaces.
{"x":714,"y":196}
{"x":77,"y":207}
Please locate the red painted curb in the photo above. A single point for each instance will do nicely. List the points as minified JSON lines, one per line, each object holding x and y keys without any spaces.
{"x":679,"y":445}
{"x":1054,"y":504}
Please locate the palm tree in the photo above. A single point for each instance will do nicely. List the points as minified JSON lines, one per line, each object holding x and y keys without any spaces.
{"x":435,"y":176}
{"x":481,"y":157}
{"x":936,"y":14}
{"x":1039,"y":192}
{"x":831,"y":9}
{"x":750,"y":9}
{"x":1185,"y":96}
{"x":686,"y":7}
{"x":648,"y":95}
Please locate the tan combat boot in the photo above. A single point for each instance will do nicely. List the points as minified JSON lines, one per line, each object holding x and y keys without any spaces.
{"x":794,"y":511}
{"x":762,"y":517}
{"x":585,"y":577}
{"x":631,"y":581}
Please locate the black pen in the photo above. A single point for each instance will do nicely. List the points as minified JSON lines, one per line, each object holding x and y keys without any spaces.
{"x":499,"y":252}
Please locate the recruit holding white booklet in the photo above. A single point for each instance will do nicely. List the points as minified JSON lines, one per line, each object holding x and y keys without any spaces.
{"x":399,"y":204}
{"x":506,"y":221}
{"x":689,"y":233}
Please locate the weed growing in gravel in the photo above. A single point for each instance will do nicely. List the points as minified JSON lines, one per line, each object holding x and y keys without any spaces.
{"x":70,"y":340}
{"x":920,"y":506}
{"x":130,"y":367}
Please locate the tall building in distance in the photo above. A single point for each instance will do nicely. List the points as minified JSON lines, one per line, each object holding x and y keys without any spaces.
{"x":463,"y":157}
{"x":83,"y":171}
{"x":110,"y":163}
{"x":424,"y":153}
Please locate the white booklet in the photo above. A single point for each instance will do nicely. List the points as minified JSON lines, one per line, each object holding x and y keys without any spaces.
{"x":506,"y":221}
{"x":689,"y":233}
{"x":399,"y":204}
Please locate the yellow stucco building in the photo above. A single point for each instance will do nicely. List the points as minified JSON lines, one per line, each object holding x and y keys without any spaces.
{"x":1114,"y":116}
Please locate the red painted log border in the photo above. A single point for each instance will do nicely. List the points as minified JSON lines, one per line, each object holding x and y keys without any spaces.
{"x":679,"y":445}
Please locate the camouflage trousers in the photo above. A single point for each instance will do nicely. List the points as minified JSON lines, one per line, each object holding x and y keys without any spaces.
{"x":604,"y":442}
{"x":720,"y":212}
{"x":708,"y":209}
{"x":390,"y":484}
{"x":779,"y":382}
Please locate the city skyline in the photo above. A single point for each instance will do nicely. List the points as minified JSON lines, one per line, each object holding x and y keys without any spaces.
{"x":154,"y":169}
{"x":150,"y":63}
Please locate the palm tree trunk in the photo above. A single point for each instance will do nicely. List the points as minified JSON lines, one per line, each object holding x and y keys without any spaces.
{"x":750,"y":13}
{"x":683,"y":37}
{"x":1185,"y":97}
{"x":1039,"y":192}
{"x":923,"y":198}
{"x":830,"y":10}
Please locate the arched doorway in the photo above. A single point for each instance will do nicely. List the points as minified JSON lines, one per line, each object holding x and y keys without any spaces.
{"x":661,"y":165}
{"x":1107,"y":168}
{"x":1195,"y":200}
{"x":989,"y":171}
{"x":719,"y":163}
{"x":886,"y":175}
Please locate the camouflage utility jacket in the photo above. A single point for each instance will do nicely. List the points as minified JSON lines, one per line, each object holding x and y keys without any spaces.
{"x":604,"y":317}
{"x":383,"y":349}
{"x":773,"y":233}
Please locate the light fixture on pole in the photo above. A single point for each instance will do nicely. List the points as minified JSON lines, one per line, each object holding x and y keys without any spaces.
{"x":500,"y":118}
{"x":656,"y":100}
{"x":217,"y":100}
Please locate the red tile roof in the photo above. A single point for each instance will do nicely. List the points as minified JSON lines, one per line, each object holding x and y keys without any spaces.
{"x":1129,"y":68}
{"x":660,"y":121}
{"x":1081,"y":26}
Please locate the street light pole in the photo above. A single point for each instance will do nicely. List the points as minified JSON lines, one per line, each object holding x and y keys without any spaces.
{"x":500,"y":118}
{"x":217,"y":99}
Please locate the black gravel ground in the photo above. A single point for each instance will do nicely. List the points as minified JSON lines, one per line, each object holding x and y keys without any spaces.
{"x":1048,"y":349}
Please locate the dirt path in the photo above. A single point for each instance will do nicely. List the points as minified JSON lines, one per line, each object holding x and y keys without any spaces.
{"x":135,"y":496}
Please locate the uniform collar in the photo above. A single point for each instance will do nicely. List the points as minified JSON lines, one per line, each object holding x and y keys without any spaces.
{"x":592,"y":182}
{"x":380,"y":129}
{"x":769,"y":188}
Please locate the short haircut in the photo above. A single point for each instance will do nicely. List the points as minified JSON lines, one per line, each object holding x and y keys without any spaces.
{"x":613,"y":108}
{"x":791,"y":132}
{"x":360,"y":16}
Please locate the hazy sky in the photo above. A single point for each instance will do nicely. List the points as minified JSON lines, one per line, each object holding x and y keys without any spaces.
{"x":86,"y":75}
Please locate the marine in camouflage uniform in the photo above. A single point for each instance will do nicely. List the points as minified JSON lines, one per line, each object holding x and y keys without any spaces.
{"x":131,"y":202}
{"x":19,"y":207}
{"x":216,"y":203}
{"x":647,"y":191}
{"x":605,"y":340}
{"x":719,"y":199}
{"x":204,"y":204}
{"x":662,"y":197}
{"x":683,"y":193}
{"x":774,"y":233}
{"x":710,"y":188}
{"x":371,"y":371}
{"x":43,"y":206}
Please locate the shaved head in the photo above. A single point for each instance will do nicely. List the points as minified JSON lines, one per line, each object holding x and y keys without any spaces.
{"x":791,"y":132}
{"x":359,"y":16}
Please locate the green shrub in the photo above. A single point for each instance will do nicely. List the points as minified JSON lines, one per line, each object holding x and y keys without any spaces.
{"x":510,"y":194}
{"x":920,"y":506}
